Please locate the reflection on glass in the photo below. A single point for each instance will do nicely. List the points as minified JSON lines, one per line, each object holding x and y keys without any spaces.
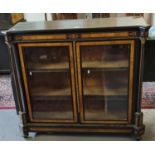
{"x":49,"y":82}
{"x":47,"y":57}
{"x":105,"y":81}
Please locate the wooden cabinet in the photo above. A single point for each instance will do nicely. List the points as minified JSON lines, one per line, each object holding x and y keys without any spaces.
{"x":6,"y":21}
{"x":79,"y":76}
{"x":4,"y":55}
{"x":9,"y":19}
{"x":149,"y":61}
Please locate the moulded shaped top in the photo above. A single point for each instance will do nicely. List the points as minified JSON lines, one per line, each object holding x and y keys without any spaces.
{"x":78,"y":24}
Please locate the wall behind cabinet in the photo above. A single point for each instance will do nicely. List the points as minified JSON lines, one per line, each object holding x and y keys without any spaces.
{"x":149,"y":17}
{"x":34,"y":17}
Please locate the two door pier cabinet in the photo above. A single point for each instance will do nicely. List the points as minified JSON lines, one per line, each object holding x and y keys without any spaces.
{"x":79,"y":75}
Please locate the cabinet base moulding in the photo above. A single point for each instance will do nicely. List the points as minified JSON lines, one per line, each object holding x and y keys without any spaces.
{"x":137,"y":134}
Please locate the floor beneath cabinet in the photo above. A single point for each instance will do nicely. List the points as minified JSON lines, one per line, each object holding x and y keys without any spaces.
{"x":9,"y":130}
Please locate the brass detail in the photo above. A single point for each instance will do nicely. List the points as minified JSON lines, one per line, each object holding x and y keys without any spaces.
{"x":21,"y":117}
{"x":132,"y":34}
{"x":73,"y":36}
{"x":108,"y":34}
{"x":138,"y":119}
{"x":7,"y":42}
{"x":143,"y":41}
{"x":142,"y":34}
{"x":130,"y":89}
{"x":41,"y":37}
{"x":20,"y":46}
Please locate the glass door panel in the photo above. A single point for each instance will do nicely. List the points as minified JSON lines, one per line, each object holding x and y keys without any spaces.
{"x":51,"y":93}
{"x":104,"y":70}
{"x":44,"y":58}
{"x":102,"y":89}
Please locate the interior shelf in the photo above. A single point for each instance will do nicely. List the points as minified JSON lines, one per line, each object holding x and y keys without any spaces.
{"x":100,"y":115}
{"x":47,"y":71}
{"x":48,"y":66}
{"x":105,"y":64}
{"x":53,"y":115}
{"x":50,"y":98}
{"x":45,"y":92}
{"x":102,"y":98}
{"x":98,"y":91}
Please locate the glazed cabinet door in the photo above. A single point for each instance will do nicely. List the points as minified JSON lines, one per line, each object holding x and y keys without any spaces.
{"x":48,"y":74}
{"x":105,"y":77}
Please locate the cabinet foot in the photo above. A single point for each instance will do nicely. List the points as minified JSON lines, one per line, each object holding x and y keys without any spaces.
{"x":139,"y":131}
{"x":138,"y":138}
{"x":25,"y":134}
{"x":139,"y":128}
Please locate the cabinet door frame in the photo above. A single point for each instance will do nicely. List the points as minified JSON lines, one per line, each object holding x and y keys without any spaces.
{"x":72,"y":78}
{"x":130,"y":84}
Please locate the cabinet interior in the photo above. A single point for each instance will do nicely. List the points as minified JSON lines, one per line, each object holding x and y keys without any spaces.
{"x":104,"y":71}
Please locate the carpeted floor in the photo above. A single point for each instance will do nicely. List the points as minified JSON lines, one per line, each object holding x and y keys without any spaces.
{"x":148,"y":95}
{"x":6,"y":95}
{"x":7,"y":100}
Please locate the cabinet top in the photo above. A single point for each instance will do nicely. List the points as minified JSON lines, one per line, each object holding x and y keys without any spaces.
{"x":79,"y":24}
